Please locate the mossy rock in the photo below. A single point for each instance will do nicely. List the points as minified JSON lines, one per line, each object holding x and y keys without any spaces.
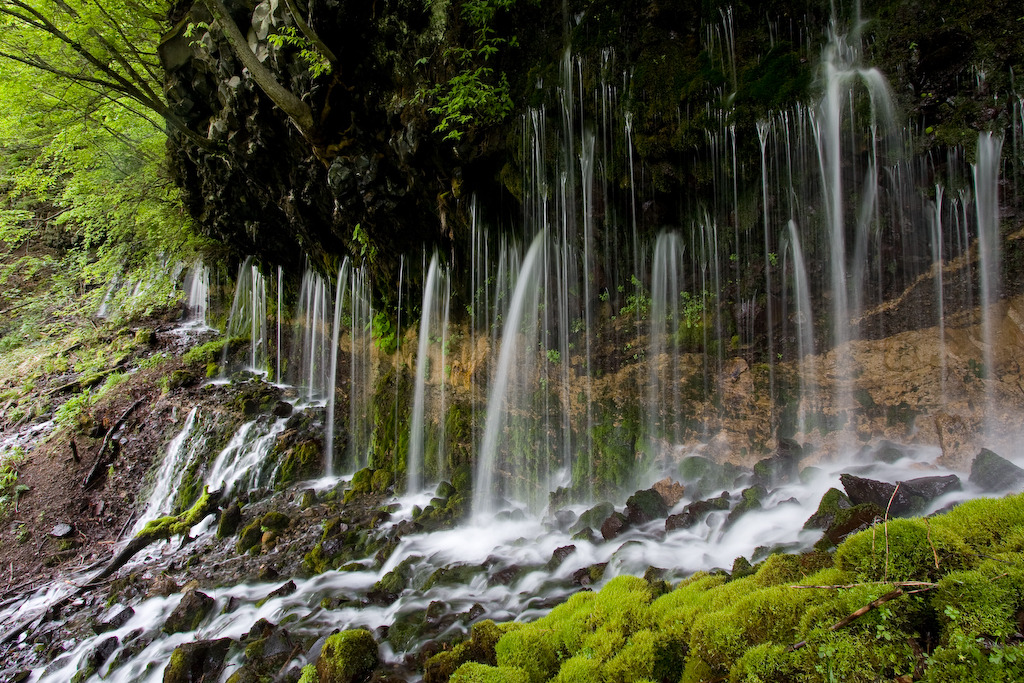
{"x":274,"y":521}
{"x":229,"y":521}
{"x":197,"y":661}
{"x":593,"y":518}
{"x":189,"y":613}
{"x":302,"y":461}
{"x":348,"y":657}
{"x":381,"y":480}
{"x":250,"y":537}
{"x":144,"y":336}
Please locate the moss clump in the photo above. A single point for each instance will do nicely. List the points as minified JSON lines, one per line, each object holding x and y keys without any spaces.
{"x":206,"y":353}
{"x":479,"y":648}
{"x":761,"y":628}
{"x":176,"y":525}
{"x":348,"y":657}
{"x":471,"y":672}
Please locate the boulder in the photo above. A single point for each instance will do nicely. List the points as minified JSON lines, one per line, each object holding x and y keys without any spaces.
{"x":750,"y":499}
{"x":115,"y":617}
{"x":189,"y":613}
{"x":593,"y":518}
{"x":695,"y":512}
{"x":559,"y":555}
{"x":992,"y":473}
{"x":911,"y":498}
{"x":645,"y":506}
{"x":197,"y":662}
{"x":671,"y":492}
{"x":614,"y":525}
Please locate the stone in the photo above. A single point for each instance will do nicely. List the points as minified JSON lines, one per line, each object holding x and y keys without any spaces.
{"x":444,"y":491}
{"x":282,"y":409}
{"x":280,"y":592}
{"x":613,"y":526}
{"x":645,"y":506}
{"x":229,"y":521}
{"x":559,"y":555}
{"x":912,"y":496}
{"x":750,"y":499}
{"x":993,"y":473}
{"x":198,"y":661}
{"x":695,"y":512}
{"x":189,"y":613}
{"x":115,"y":617}
{"x":593,"y":518}
{"x":62,"y":530}
{"x":274,"y":521}
{"x":671,"y":492}
{"x":831,"y":503}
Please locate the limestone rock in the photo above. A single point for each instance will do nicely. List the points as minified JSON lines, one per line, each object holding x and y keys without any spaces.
{"x":645,"y":506}
{"x":671,"y":492}
{"x":695,"y":512}
{"x":911,"y":498}
{"x":613,"y":526}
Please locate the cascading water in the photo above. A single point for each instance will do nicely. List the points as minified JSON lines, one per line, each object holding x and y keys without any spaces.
{"x":986,"y":191}
{"x":433,"y":327}
{"x":198,"y":286}
{"x":179,"y":452}
{"x":248,"y":318}
{"x":312,"y":337}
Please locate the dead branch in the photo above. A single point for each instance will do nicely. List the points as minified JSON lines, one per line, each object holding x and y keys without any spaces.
{"x":97,"y":467}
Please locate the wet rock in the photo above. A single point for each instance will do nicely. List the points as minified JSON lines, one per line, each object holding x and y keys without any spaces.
{"x":189,"y":613}
{"x":644,"y":506}
{"x":444,"y":490}
{"x":280,"y":592}
{"x":671,"y":492}
{"x":781,"y":468}
{"x":910,"y":498}
{"x":229,"y":521}
{"x":506,"y":576}
{"x":563,"y":519}
{"x":62,"y":530}
{"x":115,"y":617}
{"x":885,"y":451}
{"x":282,"y":409}
{"x":831,"y":503}
{"x":275,"y":521}
{"x":249,"y":538}
{"x":693,"y":513}
{"x":992,"y":473}
{"x":589,"y":575}
{"x":453,"y":575}
{"x":613,"y":526}
{"x":847,"y":521}
{"x":197,"y":662}
{"x":750,"y":499}
{"x":347,"y":657}
{"x":586,"y":534}
{"x":308,"y":499}
{"x":391,"y":585}
{"x":593,"y":518}
{"x":559,"y":555}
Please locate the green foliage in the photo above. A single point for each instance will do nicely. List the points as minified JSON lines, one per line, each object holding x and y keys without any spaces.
{"x":384,"y":333}
{"x":475,"y":95}
{"x":638,"y":302}
{"x":70,"y":414}
{"x":317,"y":63}
{"x":348,"y":656}
{"x":10,"y":489}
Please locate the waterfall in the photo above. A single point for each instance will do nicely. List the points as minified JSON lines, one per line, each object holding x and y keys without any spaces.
{"x":312,"y":335}
{"x":248,"y":317}
{"x":986,"y":190}
{"x":667,"y":325}
{"x":198,"y":286}
{"x":805,"y":330}
{"x":507,"y":396}
{"x":431,"y":322}
{"x":332,"y":374}
{"x":180,"y":451}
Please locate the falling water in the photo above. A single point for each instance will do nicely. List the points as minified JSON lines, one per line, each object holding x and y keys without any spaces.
{"x":507,"y":398}
{"x":332,"y":374}
{"x":198,"y":296}
{"x":248,"y":317}
{"x":312,"y":338}
{"x":430,"y":326}
{"x":986,"y":190}
{"x":805,"y":330}
{"x":664,"y":363}
{"x":180,"y":451}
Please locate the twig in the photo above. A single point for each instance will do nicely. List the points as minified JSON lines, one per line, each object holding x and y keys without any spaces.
{"x":885,"y":527}
{"x":877,"y":602}
{"x":900,"y":584}
{"x":928,"y":531}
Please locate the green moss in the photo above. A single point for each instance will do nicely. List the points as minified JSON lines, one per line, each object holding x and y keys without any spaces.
{"x":206,"y":353}
{"x":274,"y":521}
{"x":531,"y":650}
{"x":176,"y":525}
{"x":250,"y":537}
{"x":471,"y":672}
{"x":302,"y":461}
{"x":309,"y":674}
{"x":902,"y":550}
{"x":348,"y":657}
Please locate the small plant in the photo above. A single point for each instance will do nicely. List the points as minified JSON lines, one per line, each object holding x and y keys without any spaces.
{"x":317,"y":63}
{"x":70,"y":414}
{"x":554,"y":356}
